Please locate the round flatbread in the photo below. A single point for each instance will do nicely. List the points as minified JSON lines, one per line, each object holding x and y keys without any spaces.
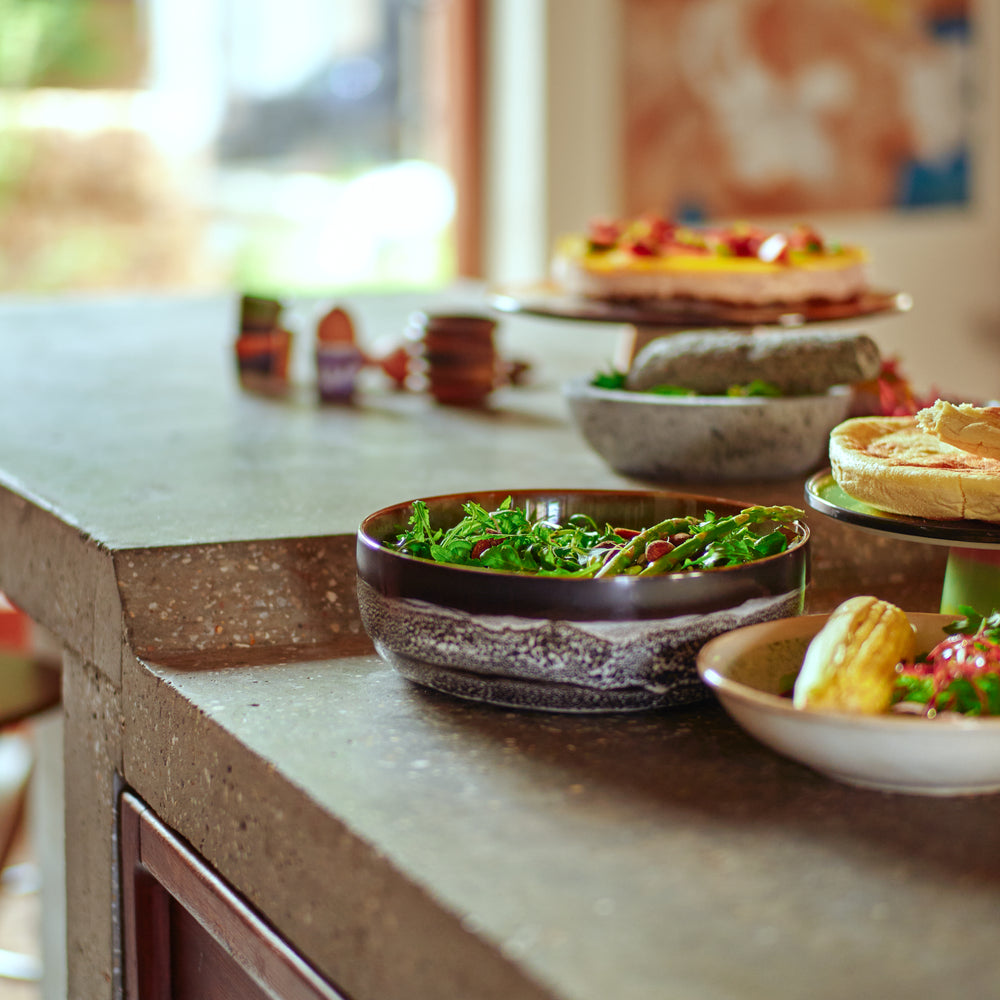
{"x":892,"y":464}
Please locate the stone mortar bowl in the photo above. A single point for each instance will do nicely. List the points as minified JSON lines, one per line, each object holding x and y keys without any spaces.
{"x":559,"y":644}
{"x":712,"y":439}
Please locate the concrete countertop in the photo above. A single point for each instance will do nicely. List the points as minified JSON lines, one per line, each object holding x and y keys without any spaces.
{"x":192,"y":546}
{"x":138,"y":433}
{"x":417,"y":847}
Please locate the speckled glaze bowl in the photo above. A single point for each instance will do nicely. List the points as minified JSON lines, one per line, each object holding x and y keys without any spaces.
{"x":899,"y":753}
{"x":712,"y":439}
{"x":559,"y":644}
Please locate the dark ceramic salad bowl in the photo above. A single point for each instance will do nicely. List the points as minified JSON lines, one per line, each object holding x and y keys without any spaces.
{"x":557,"y":643}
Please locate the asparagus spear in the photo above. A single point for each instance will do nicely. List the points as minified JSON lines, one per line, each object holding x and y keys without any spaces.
{"x":716,"y":530}
{"x":625,"y":556}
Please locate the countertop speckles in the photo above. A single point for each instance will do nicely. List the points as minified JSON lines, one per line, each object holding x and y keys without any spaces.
{"x":195,"y":543}
{"x":241,"y":602}
{"x":707,"y":853}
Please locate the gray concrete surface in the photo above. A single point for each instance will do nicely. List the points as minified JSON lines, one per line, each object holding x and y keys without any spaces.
{"x":190,"y":544}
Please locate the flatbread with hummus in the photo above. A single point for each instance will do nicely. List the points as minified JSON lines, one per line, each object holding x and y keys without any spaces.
{"x":895,"y":465}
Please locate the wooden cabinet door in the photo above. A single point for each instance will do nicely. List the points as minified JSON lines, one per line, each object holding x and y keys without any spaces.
{"x":188,"y":935}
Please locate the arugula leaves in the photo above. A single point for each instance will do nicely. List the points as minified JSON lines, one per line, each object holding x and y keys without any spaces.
{"x":507,"y":540}
{"x":974,"y":623}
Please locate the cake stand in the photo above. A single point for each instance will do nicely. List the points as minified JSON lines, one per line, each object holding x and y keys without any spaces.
{"x":645,"y":321}
{"x":972,"y":573}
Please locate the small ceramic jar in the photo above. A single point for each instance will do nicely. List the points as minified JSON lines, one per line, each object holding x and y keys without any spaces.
{"x":338,"y":357}
{"x":458,"y":356}
{"x":263,"y":346}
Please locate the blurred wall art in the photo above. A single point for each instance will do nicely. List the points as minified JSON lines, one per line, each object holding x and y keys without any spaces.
{"x":754,"y":107}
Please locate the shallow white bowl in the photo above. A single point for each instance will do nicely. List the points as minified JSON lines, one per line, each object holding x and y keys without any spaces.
{"x":943,"y":756}
{"x":706,"y":438}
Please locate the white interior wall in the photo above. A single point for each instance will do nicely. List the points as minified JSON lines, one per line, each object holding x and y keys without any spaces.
{"x":552,"y":142}
{"x":553,"y":154}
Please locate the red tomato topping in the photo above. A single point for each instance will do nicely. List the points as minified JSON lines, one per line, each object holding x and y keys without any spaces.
{"x":642,"y":248}
{"x":661,"y":231}
{"x":652,"y":235}
{"x":603,"y":232}
{"x":804,"y":237}
{"x":744,"y":244}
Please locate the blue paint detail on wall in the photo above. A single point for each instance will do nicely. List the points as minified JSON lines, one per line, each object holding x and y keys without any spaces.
{"x":690,"y":213}
{"x":954,"y":26}
{"x":945,"y":183}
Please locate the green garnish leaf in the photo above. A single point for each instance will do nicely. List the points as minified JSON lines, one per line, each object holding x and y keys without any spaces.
{"x":617,"y":380}
{"x":609,"y":380}
{"x":770,"y":544}
{"x":758,"y":387}
{"x":913,"y":688}
{"x":670,"y":390}
{"x":973,"y":623}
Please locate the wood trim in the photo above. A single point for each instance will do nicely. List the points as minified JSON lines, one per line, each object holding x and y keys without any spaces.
{"x":159,"y":874}
{"x":146,"y":923}
{"x":463,"y":36}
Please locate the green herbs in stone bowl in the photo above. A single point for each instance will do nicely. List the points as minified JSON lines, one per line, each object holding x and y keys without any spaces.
{"x":616,"y":380}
